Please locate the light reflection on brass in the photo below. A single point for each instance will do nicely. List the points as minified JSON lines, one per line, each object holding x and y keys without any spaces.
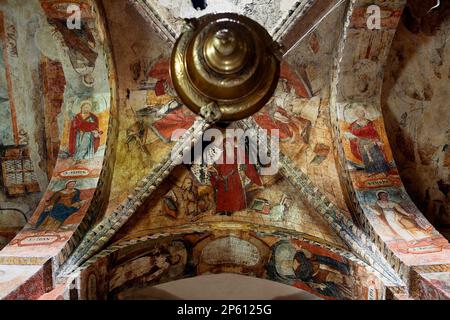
{"x":225,"y":51}
{"x":227,"y":59}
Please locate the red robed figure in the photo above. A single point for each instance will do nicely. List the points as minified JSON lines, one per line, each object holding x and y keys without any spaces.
{"x":367,"y":147}
{"x":363,"y":132}
{"x":286,"y":130}
{"x":81,"y":124}
{"x":176,"y":119}
{"x":230,"y":192}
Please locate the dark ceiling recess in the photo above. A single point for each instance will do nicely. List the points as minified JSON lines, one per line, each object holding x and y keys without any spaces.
{"x":199,"y":4}
{"x":426,"y":15}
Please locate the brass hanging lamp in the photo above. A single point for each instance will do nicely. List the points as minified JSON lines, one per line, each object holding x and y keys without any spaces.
{"x":226,"y":59}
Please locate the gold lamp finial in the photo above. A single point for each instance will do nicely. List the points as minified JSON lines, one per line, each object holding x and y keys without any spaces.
{"x":226,"y":59}
{"x":225,"y":52}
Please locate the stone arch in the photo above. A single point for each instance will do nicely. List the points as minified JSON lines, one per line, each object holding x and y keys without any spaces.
{"x":91,"y":74}
{"x":326,"y":272}
{"x":357,"y":82}
{"x":17,"y":212}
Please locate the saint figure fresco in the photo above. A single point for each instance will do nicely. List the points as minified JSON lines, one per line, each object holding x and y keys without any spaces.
{"x":308,"y":270}
{"x":408,"y":226}
{"x":276,"y":115}
{"x":60,"y":207}
{"x":182,"y":201}
{"x":366,"y":145}
{"x":166,"y":118}
{"x":225,"y":177}
{"x":321,"y":273}
{"x":188,"y":200}
{"x":84,"y":137}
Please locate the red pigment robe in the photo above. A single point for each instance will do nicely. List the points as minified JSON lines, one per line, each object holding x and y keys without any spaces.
{"x":286,"y":130}
{"x":174,"y":120}
{"x":365,"y":132}
{"x":230,"y":193}
{"x":83,"y":125}
{"x":367,"y":149}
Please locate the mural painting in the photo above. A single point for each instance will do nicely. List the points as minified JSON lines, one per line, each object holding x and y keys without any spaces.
{"x":84,"y":137}
{"x":19,"y":186}
{"x":416,"y":113}
{"x":82,"y":123}
{"x":282,"y":111}
{"x":163,"y":119}
{"x":9,"y":132}
{"x":327,"y":274}
{"x":433,"y":286}
{"x":156,"y":110}
{"x":59,"y":207}
{"x":379,"y":188}
{"x":187,"y":196}
{"x":299,"y":111}
{"x":209,"y":189}
{"x":370,"y":160}
{"x":299,"y":267}
{"x":203,"y":193}
{"x":198,"y":220}
{"x":162,"y":263}
{"x":152,"y":114}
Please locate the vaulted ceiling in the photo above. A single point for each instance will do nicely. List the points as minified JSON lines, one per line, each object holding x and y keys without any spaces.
{"x":118,"y":211}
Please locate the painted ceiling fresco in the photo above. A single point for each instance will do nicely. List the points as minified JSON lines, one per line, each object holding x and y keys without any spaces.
{"x":174,"y":11}
{"x":67,"y":78}
{"x":153,"y":113}
{"x":22,"y":140}
{"x":420,"y":51}
{"x":92,"y":199}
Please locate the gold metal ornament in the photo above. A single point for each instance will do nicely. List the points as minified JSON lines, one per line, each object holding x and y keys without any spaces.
{"x":228,"y":60}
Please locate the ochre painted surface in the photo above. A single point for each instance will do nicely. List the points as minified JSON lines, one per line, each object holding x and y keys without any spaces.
{"x":217,"y":218}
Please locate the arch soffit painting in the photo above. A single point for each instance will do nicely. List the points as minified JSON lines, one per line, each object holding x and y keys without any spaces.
{"x":324,"y":271}
{"x":412,"y":247}
{"x":83,"y":167}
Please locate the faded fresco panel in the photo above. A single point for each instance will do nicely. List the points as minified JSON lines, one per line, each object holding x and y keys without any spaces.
{"x":6,"y":128}
{"x":328,"y":274}
{"x":379,"y":189}
{"x":81,"y":115}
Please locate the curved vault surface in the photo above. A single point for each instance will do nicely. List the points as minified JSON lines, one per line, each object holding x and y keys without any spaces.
{"x":300,"y":216}
{"x":414,"y":105}
{"x":325,"y":272}
{"x":74,"y":72}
